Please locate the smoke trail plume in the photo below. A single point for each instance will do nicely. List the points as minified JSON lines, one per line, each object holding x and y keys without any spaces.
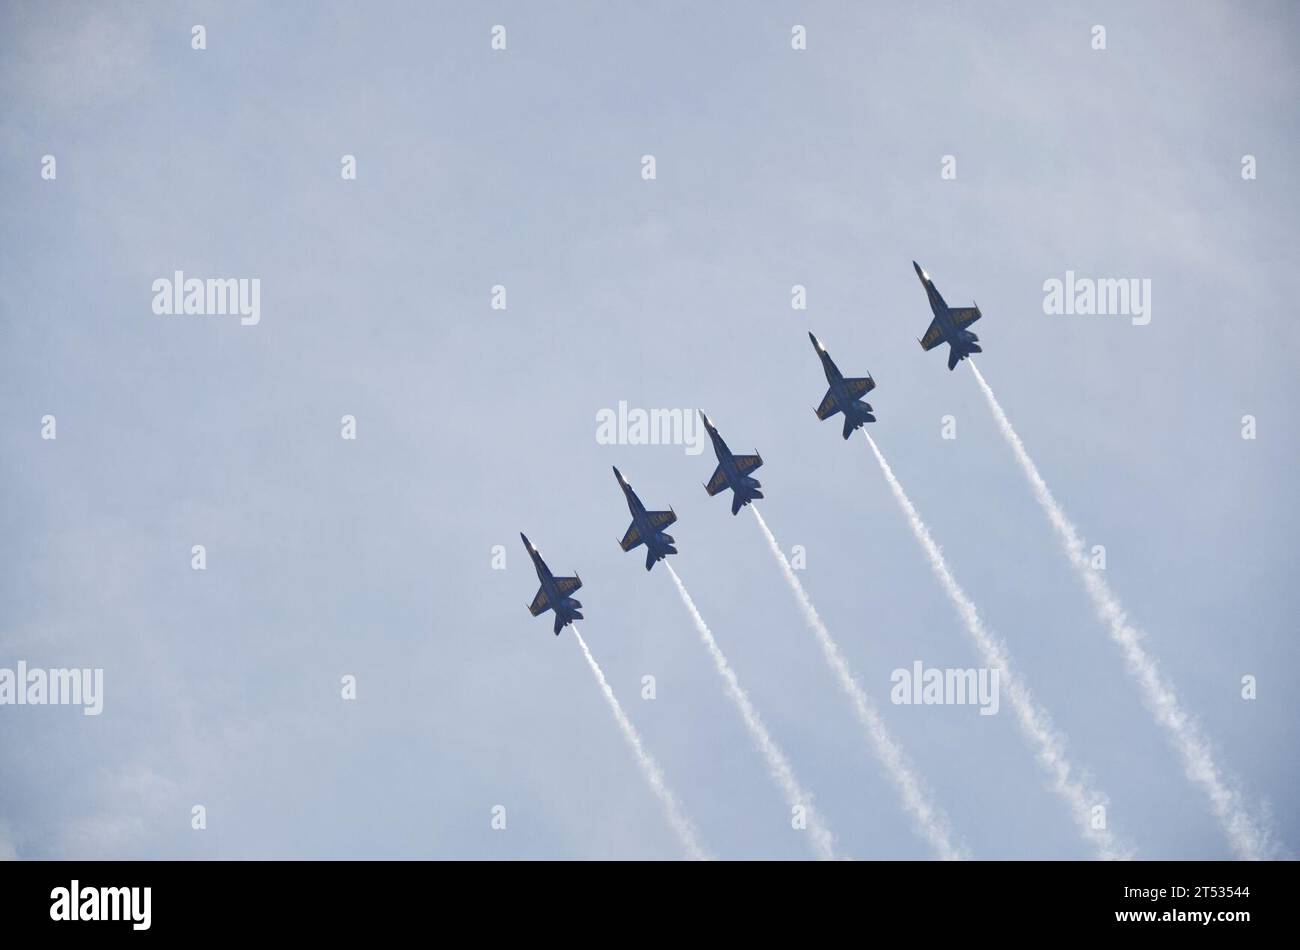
{"x":1048,"y":744}
{"x":1248,"y":839}
{"x":931,"y":822}
{"x":680,"y":823}
{"x":823,"y":842}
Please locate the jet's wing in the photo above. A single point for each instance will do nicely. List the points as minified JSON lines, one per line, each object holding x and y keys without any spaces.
{"x":631,"y":539}
{"x":933,"y":336}
{"x":860,"y":387}
{"x":540,"y":604}
{"x":747,"y":463}
{"x":717,"y":482}
{"x":567,"y":585}
{"x":661,"y":519}
{"x":827,"y":408}
{"x":965,"y":316}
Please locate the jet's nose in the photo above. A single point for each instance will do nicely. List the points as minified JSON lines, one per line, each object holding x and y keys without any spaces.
{"x":528,"y":544}
{"x":815,"y":342}
{"x":618,"y":474}
{"x":708,"y":424}
{"x":920,"y":273}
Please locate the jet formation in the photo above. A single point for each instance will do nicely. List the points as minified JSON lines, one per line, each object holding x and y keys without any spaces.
{"x":731,"y":471}
{"x":554,"y":592}
{"x":844,"y":395}
{"x":647,"y":527}
{"x":949,"y":324}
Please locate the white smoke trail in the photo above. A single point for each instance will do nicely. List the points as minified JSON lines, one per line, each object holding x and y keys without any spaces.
{"x":823,"y":842}
{"x":649,"y":767}
{"x":1048,"y":744}
{"x":931,"y":821}
{"x":1248,"y":839}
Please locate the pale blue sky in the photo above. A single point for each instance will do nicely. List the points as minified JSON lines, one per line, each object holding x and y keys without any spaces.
{"x":522,"y":168}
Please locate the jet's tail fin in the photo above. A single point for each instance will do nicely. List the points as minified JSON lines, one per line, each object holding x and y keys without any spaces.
{"x":564,"y":618}
{"x":743,"y":496}
{"x":860,"y":416}
{"x":658,"y":551}
{"x":974,"y":348}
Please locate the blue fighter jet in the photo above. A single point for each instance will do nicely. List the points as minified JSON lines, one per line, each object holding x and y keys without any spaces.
{"x":554,"y":592}
{"x":949,"y":324}
{"x":647,"y":527}
{"x":731,"y":471}
{"x":844,"y":395}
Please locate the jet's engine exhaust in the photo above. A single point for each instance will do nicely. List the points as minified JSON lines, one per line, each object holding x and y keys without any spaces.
{"x":928,"y":818}
{"x":1248,"y":838}
{"x":795,"y":795}
{"x":1036,"y":725}
{"x":649,"y":767}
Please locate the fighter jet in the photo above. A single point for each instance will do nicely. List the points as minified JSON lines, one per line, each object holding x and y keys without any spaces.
{"x":554,"y":592}
{"x":949,"y":324}
{"x":844,"y":394}
{"x":731,"y":470}
{"x":647,"y":527}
